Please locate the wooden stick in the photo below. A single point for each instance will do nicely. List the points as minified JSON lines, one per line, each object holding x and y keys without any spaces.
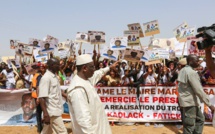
{"x":94,"y":47}
{"x":183,"y":50}
{"x":98,"y":49}
{"x":80,"y":46}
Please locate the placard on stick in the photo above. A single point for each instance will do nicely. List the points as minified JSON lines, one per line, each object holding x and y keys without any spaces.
{"x":133,"y":37}
{"x":151,"y":28}
{"x":133,"y":55}
{"x":96,"y":37}
{"x":118,"y":43}
{"x":136,"y":26}
{"x":81,"y":37}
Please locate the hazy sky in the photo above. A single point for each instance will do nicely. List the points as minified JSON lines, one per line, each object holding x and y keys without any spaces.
{"x":24,"y":19}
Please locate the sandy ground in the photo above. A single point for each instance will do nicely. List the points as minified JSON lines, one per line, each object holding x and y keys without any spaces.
{"x":134,"y":129}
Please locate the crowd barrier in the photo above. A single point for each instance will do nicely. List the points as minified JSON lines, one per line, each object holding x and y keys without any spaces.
{"x":154,"y":104}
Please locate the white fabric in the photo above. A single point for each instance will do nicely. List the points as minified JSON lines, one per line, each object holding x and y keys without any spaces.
{"x":83,"y":59}
{"x":150,"y":79}
{"x":127,"y":80}
{"x":10,"y":83}
{"x":28,"y":77}
{"x":203,"y":64}
{"x":87,"y":118}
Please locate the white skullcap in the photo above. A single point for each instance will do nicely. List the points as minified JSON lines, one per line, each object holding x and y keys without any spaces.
{"x":182,"y":61}
{"x":200,"y":58}
{"x":83,"y":59}
{"x":124,"y":61}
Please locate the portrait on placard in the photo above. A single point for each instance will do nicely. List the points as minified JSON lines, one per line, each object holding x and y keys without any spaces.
{"x":19,"y":49}
{"x":132,"y":37}
{"x":81,"y":37}
{"x":28,"y":50}
{"x":39,"y":56}
{"x":188,"y":32}
{"x":36,"y":43}
{"x":109,"y":54}
{"x":96,"y":37}
{"x":47,"y":47}
{"x":178,"y":30}
{"x":151,"y":28}
{"x":119,"y":43}
{"x":52,"y":40}
{"x":168,"y":44}
{"x":31,"y":68}
{"x":13,"y":44}
{"x":136,"y":26}
{"x":192,"y":47}
{"x":133,"y":55}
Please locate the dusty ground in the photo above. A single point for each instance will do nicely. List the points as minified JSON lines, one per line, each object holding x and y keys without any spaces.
{"x":139,"y":129}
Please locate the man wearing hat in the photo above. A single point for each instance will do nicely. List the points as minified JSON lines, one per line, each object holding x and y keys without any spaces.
{"x":86,"y":109}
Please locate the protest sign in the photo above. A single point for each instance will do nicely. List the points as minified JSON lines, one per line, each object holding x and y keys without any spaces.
{"x":36,"y":43}
{"x":47,"y":47}
{"x":179,"y":47}
{"x":19,"y":49}
{"x":81,"y":37}
{"x":188,"y":32}
{"x":192,"y":46}
{"x":133,"y":37}
{"x":151,"y":28}
{"x":64,"y":45}
{"x":28,"y":50}
{"x":40,"y":57}
{"x":109,"y":54}
{"x":119,"y":43}
{"x":133,"y":55}
{"x":15,"y":62}
{"x":96,"y":37}
{"x":63,"y":53}
{"x":136,"y":26}
{"x":178,"y":30}
{"x":52,"y":40}
{"x":13,"y":44}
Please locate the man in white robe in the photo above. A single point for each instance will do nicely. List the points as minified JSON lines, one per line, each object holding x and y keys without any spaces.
{"x":86,"y":109}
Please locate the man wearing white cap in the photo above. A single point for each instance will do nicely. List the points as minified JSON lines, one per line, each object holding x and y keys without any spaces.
{"x":86,"y":109}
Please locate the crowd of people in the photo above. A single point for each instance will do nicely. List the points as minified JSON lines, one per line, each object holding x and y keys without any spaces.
{"x":71,"y":71}
{"x":125,"y":74}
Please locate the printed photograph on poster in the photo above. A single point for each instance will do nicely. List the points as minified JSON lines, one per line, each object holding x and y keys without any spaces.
{"x":192,"y":47}
{"x":119,"y":43}
{"x":63,"y":53}
{"x":13,"y":44}
{"x":133,"y":55}
{"x":149,"y":55}
{"x":47,"y":47}
{"x":36,"y":43}
{"x":19,"y":50}
{"x":109,"y":54}
{"x":64,"y":46}
{"x":39,"y":56}
{"x":81,"y":37}
{"x":22,"y":110}
{"x":96,"y":37}
{"x":151,"y":28}
{"x":168,"y":44}
{"x":136,"y":26}
{"x":189,"y":32}
{"x":177,"y":31}
{"x":31,"y":68}
{"x":15,"y":62}
{"x":133,"y":37}
{"x":28,"y":50}
{"x":52,"y":40}
{"x":179,"y":46}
